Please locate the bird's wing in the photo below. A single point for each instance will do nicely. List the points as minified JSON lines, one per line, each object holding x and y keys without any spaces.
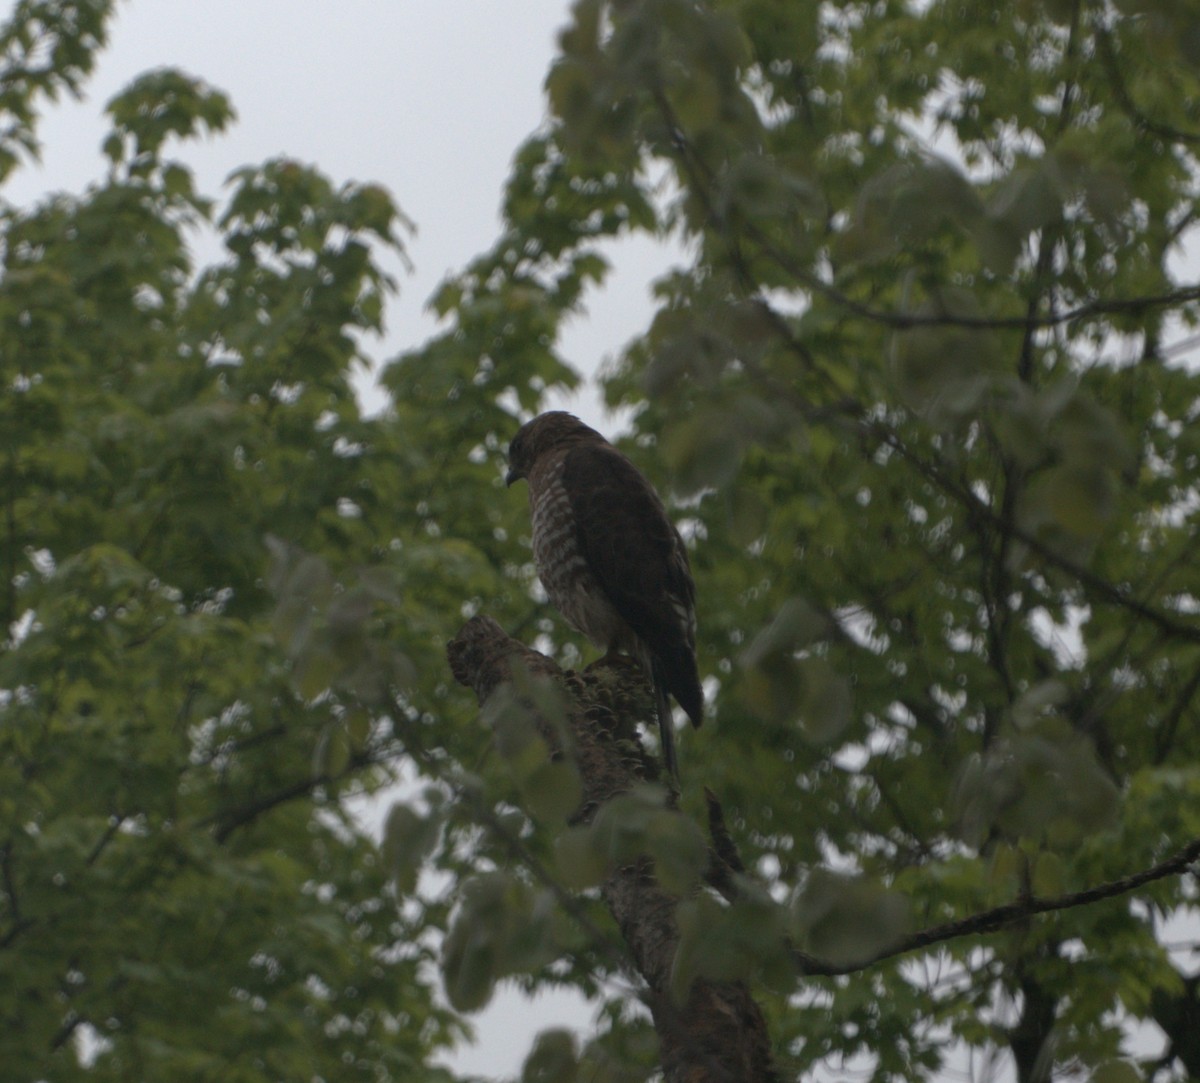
{"x":636,"y":555}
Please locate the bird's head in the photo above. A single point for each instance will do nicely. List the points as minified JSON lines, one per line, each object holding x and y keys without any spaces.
{"x":546,"y":432}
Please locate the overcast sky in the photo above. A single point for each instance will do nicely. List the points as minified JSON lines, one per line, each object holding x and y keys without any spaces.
{"x":428,"y":98}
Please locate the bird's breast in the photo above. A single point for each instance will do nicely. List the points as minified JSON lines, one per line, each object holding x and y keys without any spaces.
{"x":562,"y":567}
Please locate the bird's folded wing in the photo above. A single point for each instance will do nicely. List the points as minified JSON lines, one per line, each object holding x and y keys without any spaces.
{"x":631,"y":546}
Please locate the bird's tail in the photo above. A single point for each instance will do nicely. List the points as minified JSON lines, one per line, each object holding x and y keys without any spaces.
{"x":666,"y":727}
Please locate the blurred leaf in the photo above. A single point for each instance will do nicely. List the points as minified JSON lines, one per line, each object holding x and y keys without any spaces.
{"x":1116,"y":1071}
{"x":846,"y":920}
{"x":680,"y":851}
{"x":826,"y":702}
{"x":471,"y":949}
{"x":946,"y":371}
{"x":1040,"y":784}
{"x":727,"y":942}
{"x":553,"y":1059}
{"x":1025,"y":200}
{"x":408,"y":838}
{"x":783,"y":687}
{"x":552,"y":791}
{"x":1036,"y":700}
{"x":621,"y":827}
{"x":332,"y":754}
{"x":580,"y":862}
{"x":1075,"y":498}
{"x":702,"y":455}
{"x":499,"y":928}
{"x":905,"y":204}
{"x":797,"y":625}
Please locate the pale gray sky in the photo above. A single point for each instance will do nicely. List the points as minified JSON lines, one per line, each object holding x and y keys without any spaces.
{"x":428,"y":98}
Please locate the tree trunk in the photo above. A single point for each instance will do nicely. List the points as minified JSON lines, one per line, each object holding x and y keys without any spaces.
{"x":1030,"y":1038}
{"x":1179,"y":1016}
{"x":718,"y":1035}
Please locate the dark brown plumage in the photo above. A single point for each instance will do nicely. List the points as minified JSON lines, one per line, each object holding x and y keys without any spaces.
{"x":609,"y":557}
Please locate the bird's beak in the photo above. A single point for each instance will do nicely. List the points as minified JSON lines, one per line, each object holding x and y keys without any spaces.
{"x":511,"y":476}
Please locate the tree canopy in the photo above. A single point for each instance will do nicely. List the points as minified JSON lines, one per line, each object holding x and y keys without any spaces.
{"x":923,"y":392}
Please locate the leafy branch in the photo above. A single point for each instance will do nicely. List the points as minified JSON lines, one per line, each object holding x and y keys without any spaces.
{"x":519,"y":852}
{"x":1112,"y":68}
{"x":701,"y":182}
{"x":225,"y":823}
{"x":1109,"y":592}
{"x":1114,"y":594}
{"x":716,"y":1031}
{"x":999,"y":917}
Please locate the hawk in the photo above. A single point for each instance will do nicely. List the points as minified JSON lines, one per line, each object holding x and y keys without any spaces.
{"x":610,"y":559}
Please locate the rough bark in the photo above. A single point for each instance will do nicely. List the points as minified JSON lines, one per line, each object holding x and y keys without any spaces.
{"x":718,"y":1035}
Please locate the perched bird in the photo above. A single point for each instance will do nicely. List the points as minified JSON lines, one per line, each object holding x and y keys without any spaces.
{"x":610,"y":559}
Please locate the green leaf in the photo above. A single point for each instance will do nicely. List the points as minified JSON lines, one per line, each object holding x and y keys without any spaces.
{"x":496,"y":930}
{"x":1035,"y":701}
{"x":1116,"y":1071}
{"x":1078,"y":499}
{"x":702,"y":454}
{"x":553,"y":1059}
{"x":784,"y":687}
{"x":946,"y":371}
{"x":846,"y":920}
{"x":907,"y":204}
{"x":680,"y":851}
{"x":552,"y":790}
{"x":727,"y":942}
{"x":1041,"y":784}
{"x":468,"y":968}
{"x":331,"y":756}
{"x":621,"y":826}
{"x":797,"y":625}
{"x":408,"y":839}
{"x":826,"y":702}
{"x":580,"y":861}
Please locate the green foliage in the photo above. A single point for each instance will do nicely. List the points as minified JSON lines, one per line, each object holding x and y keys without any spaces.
{"x":747,"y":939}
{"x":553,"y":1059}
{"x":847,"y":920}
{"x":48,"y":46}
{"x":205,"y":627}
{"x":915,"y":383}
{"x":916,"y":391}
{"x":500,"y":928}
{"x":630,"y":826}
